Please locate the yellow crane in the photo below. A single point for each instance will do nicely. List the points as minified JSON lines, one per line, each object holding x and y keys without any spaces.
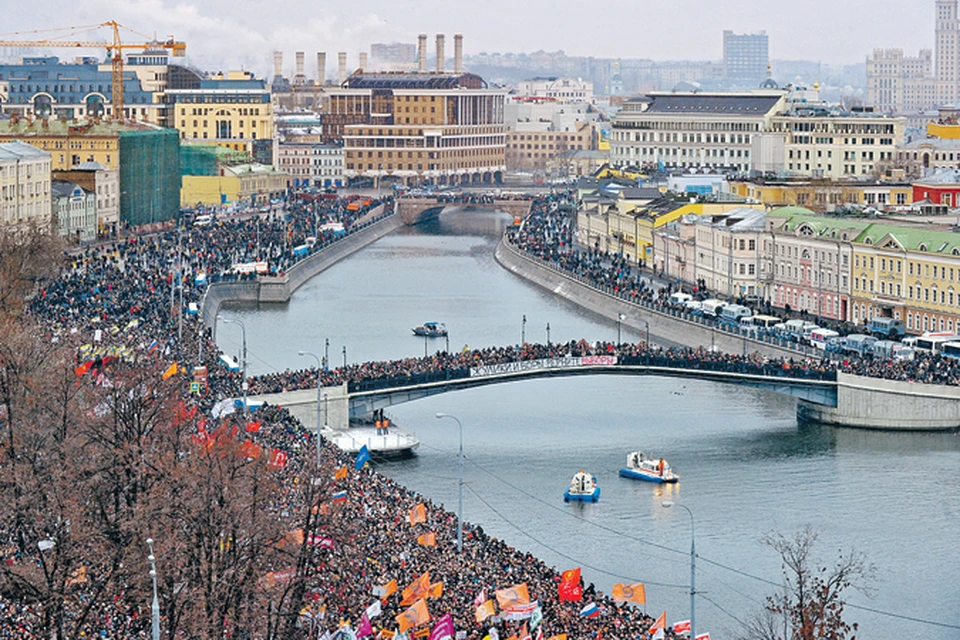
{"x":114,"y":51}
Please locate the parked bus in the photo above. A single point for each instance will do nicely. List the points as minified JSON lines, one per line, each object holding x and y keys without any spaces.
{"x":712,"y":308}
{"x":760,"y":322}
{"x":933,"y":342}
{"x":951,"y":349}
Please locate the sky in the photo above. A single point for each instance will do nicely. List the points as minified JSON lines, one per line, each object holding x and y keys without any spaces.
{"x":234,"y":34}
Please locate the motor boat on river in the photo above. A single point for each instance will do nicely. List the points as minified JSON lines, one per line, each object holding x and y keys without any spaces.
{"x":583,"y":488}
{"x":431,"y":330}
{"x":640,"y":467}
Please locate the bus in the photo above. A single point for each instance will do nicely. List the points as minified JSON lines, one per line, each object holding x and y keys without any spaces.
{"x":819,"y":337}
{"x":950,"y":349}
{"x":933,"y":342}
{"x":760,"y":322}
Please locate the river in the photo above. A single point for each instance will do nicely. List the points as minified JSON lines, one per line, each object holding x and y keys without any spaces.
{"x":747,"y":468}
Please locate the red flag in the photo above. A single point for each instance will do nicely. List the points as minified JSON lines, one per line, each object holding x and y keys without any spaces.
{"x":278,"y":458}
{"x":570,"y":588}
{"x":253,"y":427}
{"x":681,"y":627}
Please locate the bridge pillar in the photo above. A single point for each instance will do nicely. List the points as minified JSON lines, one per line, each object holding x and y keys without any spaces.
{"x":336,"y":407}
{"x":872,"y":403}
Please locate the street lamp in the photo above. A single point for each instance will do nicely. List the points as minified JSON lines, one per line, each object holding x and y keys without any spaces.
{"x":460,"y":484}
{"x":243,"y":332}
{"x":693,"y":567}
{"x":620,"y":319}
{"x":548,"y":334}
{"x":319,"y":395}
{"x":523,"y":330}
{"x":155,"y":605}
{"x":344,"y":357}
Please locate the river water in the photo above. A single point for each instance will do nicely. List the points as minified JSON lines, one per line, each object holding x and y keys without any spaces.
{"x":747,"y":468}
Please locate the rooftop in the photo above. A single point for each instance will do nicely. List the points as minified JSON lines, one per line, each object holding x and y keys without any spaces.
{"x":54,"y":127}
{"x":716,"y":103}
{"x":19,"y":150}
{"x":402,"y":81}
{"x":942,"y":176}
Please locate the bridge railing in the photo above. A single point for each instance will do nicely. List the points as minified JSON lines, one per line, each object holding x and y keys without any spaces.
{"x":794,"y":372}
{"x":409,"y":380}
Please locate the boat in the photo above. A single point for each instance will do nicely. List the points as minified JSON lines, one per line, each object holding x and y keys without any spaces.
{"x":640,"y":467}
{"x":431,"y":330}
{"x":583,"y":488}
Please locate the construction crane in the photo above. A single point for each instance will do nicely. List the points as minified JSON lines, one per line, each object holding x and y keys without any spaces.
{"x":114,"y":51}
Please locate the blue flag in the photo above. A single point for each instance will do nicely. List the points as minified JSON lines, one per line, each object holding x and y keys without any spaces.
{"x":363,"y":457}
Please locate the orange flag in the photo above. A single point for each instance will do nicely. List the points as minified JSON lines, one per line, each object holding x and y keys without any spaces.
{"x":561,"y":636}
{"x":171,"y":371}
{"x":418,"y":514}
{"x":340,"y":473}
{"x":416,"y":590}
{"x":436,"y":590}
{"x":512,"y":596}
{"x":635,"y":593}
{"x":484,"y":611}
{"x":414,"y":616}
{"x":428,"y":539}
{"x":661,"y":623}
{"x":386,"y":590}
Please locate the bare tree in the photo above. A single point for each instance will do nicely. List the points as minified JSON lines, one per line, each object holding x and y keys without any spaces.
{"x":812,"y":600}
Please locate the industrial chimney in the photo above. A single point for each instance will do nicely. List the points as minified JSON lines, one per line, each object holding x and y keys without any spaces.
{"x":278,"y":64}
{"x":342,"y":66}
{"x":363,"y":61}
{"x":298,"y":77}
{"x":321,"y":68}
{"x":458,"y":53}
{"x":441,"y":54}
{"x":422,"y":53}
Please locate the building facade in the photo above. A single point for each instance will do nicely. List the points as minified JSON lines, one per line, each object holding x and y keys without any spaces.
{"x":24,"y":187}
{"x":75,"y":211}
{"x":311,"y":163}
{"x":693,"y":130}
{"x":824,"y":196}
{"x":421,"y":128}
{"x":745,"y":56}
{"x":105,"y":184}
{"x":562,"y":89}
{"x":529,"y":151}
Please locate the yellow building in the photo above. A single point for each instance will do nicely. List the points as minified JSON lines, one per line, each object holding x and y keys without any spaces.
{"x":252,"y":184}
{"x":824,"y":195}
{"x":232,"y":111}
{"x":909,"y":273}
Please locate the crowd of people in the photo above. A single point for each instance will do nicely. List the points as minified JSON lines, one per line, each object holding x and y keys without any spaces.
{"x":122,"y":296}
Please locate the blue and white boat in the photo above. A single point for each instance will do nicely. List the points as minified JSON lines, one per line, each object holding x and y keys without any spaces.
{"x":640,"y":467}
{"x":583,"y":488}
{"x":431,"y":330}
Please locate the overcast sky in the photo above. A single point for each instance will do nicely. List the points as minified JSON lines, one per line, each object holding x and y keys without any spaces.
{"x":223,"y":34}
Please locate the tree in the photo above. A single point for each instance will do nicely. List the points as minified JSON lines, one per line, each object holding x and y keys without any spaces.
{"x":811,"y":606}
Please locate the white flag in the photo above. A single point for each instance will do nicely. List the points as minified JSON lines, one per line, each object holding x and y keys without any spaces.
{"x":374,"y":610}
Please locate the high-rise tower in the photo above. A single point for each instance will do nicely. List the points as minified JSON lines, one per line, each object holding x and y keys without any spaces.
{"x":947,"y":54}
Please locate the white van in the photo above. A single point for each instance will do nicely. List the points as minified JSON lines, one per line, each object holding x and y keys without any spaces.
{"x":203,"y":221}
{"x":820,"y":336}
{"x":679,"y":299}
{"x":712,"y":307}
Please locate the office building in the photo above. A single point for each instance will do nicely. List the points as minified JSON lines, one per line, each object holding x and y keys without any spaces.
{"x":746,"y":56}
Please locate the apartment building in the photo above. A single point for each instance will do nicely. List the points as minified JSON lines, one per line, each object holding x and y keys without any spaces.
{"x":24,"y":187}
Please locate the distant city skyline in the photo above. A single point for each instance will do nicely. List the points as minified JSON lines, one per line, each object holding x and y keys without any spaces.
{"x":244,"y":33}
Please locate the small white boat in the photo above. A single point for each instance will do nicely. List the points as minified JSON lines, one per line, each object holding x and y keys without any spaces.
{"x":640,"y":467}
{"x":583,"y":488}
{"x":431,"y":330}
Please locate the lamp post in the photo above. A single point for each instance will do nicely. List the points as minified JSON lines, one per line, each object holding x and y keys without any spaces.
{"x":326,"y":354}
{"x":523,"y":330}
{"x":319,"y":395}
{"x":460,"y":483}
{"x":155,"y":605}
{"x":203,"y":304}
{"x":243,"y":364}
{"x":344,"y":356}
{"x":548,"y":334}
{"x":620,"y":319}
{"x":693,"y":567}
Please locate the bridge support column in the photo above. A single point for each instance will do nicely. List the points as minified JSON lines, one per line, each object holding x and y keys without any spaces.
{"x":336,"y":407}
{"x":871,"y":403}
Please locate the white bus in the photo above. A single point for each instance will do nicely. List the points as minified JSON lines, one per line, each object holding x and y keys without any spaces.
{"x":820,"y":336}
{"x":760,"y":322}
{"x":951,"y":349}
{"x":933,"y":342}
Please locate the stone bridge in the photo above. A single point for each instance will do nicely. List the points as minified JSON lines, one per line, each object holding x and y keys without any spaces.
{"x":413,"y":211}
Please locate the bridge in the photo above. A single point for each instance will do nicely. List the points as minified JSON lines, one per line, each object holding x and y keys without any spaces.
{"x":414,"y":211}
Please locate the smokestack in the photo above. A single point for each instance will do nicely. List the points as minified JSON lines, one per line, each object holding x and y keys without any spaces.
{"x":299,"y":63}
{"x":343,"y":66}
{"x":363,"y":61}
{"x":278,"y":64}
{"x":440,"y":52}
{"x":321,"y":68}
{"x":458,"y":53}
{"x":422,"y":53}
